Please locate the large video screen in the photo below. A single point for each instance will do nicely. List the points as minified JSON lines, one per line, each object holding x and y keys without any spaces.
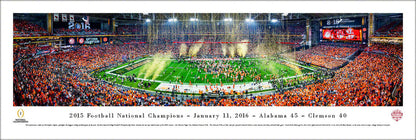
{"x":353,"y":34}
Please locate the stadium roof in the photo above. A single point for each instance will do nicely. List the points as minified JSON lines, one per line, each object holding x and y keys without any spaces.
{"x":134,"y":17}
{"x":220,"y":16}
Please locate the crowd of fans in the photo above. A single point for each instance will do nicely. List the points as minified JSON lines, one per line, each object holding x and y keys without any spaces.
{"x":323,"y":55}
{"x":324,"y":61}
{"x":129,"y":29}
{"x":22,"y":28}
{"x":63,"y":78}
{"x":349,"y":44}
{"x":337,"y":52}
{"x":393,"y":29}
{"x":26,"y":50}
{"x":391,"y":49}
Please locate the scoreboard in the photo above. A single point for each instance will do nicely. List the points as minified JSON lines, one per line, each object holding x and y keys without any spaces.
{"x":344,"y":30}
{"x":353,"y":34}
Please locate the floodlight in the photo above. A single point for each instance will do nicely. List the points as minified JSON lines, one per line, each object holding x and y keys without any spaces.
{"x":228,"y":19}
{"x":249,"y":20}
{"x":172,"y":20}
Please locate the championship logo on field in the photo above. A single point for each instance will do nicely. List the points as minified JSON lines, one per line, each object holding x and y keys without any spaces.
{"x":397,"y":115}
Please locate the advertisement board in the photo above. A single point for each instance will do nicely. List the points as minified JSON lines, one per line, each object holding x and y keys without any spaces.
{"x":343,"y":22}
{"x":92,"y":40}
{"x":71,"y":41}
{"x":86,"y":40}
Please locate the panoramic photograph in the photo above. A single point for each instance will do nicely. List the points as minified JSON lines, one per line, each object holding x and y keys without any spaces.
{"x":207,"y":59}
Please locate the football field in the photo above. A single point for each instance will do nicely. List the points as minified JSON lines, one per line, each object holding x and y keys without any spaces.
{"x":186,"y":72}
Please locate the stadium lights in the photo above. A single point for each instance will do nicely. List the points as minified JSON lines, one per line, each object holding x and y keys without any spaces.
{"x":172,"y":20}
{"x":148,"y":20}
{"x":274,"y":20}
{"x":194,"y":19}
{"x":228,"y":19}
{"x":249,"y":20}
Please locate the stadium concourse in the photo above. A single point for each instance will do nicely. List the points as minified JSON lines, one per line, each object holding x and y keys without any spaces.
{"x":76,"y":66}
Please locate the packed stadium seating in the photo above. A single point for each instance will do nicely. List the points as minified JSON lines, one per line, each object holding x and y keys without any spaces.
{"x":372,"y":78}
{"x":391,"y":49}
{"x":22,"y":28}
{"x":62,"y":79}
{"x":323,"y":55}
{"x":393,"y":29}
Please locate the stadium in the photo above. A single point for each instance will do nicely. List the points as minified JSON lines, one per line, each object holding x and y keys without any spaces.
{"x":208,"y":59}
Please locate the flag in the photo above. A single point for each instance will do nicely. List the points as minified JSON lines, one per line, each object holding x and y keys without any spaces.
{"x":86,"y":19}
{"x":56,"y":17}
{"x":71,"y":18}
{"x":64,"y":18}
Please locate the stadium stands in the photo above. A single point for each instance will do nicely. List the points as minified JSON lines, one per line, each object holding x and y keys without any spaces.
{"x":22,"y":28}
{"x":373,"y":77}
{"x":393,"y":29}
{"x":390,"y":49}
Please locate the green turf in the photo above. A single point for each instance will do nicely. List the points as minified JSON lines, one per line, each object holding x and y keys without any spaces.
{"x":180,"y":71}
{"x":177,"y":71}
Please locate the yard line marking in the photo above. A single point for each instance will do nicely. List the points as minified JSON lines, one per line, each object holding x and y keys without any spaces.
{"x":108,"y":72}
{"x":174,"y":69}
{"x":181,"y":72}
{"x":187,"y":75}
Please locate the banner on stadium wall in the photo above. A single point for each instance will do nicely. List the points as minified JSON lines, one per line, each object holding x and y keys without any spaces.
{"x":104,"y":39}
{"x":92,"y":40}
{"x":64,"y":18}
{"x":56,"y":17}
{"x":71,"y":41}
{"x":71,"y":18}
{"x":343,"y":23}
{"x":81,"y":40}
{"x":77,"y":23}
{"x":86,"y":40}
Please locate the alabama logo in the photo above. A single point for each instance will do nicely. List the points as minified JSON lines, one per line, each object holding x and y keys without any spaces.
{"x":71,"y":41}
{"x":396,"y":115}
